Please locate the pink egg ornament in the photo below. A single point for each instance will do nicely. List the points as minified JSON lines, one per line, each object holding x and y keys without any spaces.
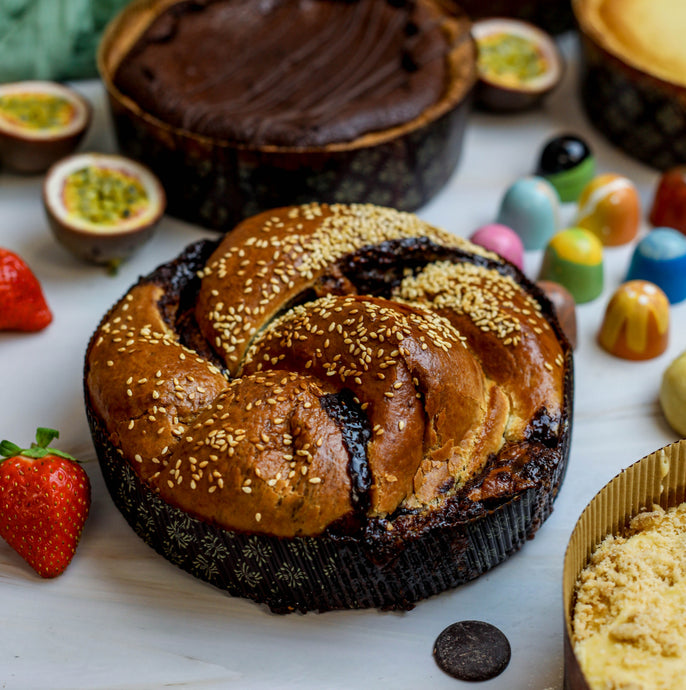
{"x":502,"y":240}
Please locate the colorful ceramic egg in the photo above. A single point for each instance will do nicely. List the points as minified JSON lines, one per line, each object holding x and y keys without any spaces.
{"x":669,"y":204}
{"x":568,"y":164}
{"x":610,"y":207}
{"x":565,"y":307}
{"x":502,"y":240}
{"x":531,"y":207}
{"x":574,"y":258}
{"x":673,"y":394}
{"x":660,"y":257}
{"x":636,"y":323}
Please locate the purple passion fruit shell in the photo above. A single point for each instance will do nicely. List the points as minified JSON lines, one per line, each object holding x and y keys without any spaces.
{"x":518,"y":64}
{"x":102,"y":207}
{"x":40,"y":122}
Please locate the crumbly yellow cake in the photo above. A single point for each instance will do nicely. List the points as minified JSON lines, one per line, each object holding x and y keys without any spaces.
{"x":629,"y":627}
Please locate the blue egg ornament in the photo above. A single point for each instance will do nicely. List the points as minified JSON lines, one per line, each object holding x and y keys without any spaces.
{"x":660,"y":258}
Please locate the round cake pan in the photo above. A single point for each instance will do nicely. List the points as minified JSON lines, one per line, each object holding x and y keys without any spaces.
{"x":657,"y":479}
{"x":216,"y":183}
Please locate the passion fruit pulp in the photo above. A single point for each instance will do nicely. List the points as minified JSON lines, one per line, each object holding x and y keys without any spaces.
{"x":518,"y":64}
{"x":40,"y":123}
{"x":102,"y":207}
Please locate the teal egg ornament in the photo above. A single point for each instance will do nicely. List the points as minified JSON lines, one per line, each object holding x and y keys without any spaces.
{"x":531,"y":207}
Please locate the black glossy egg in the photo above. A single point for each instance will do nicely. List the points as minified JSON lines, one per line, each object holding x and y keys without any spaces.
{"x":568,"y":164}
{"x":562,"y":153}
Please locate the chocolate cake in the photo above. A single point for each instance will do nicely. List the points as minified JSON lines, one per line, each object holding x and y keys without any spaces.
{"x":288,"y":73}
{"x":334,"y":407}
{"x":240,"y":106}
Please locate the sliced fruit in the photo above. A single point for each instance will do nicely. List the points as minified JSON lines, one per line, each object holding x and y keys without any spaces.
{"x":518,"y":64}
{"x":40,"y":122}
{"x":102,"y":207}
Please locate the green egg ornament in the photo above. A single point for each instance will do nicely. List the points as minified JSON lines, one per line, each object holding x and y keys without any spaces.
{"x":574,"y":259}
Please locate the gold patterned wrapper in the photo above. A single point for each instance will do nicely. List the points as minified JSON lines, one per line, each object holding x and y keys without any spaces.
{"x":657,"y":479}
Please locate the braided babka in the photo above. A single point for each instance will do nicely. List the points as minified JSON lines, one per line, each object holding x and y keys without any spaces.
{"x":332,"y":407}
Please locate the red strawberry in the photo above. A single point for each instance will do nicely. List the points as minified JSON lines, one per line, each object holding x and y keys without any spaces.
{"x":44,"y":501}
{"x":22,"y":304}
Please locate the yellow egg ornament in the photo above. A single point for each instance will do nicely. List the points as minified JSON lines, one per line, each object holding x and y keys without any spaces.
{"x":673,"y":394}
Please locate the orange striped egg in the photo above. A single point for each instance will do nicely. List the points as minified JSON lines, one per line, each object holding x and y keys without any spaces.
{"x":610,"y":208}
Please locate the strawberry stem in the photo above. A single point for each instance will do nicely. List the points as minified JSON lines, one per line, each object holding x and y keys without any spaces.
{"x":44,"y":436}
{"x":38,"y":449}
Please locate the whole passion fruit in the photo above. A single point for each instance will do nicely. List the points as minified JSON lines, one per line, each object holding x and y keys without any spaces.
{"x":518,"y":64}
{"x":40,"y":122}
{"x":102,"y":207}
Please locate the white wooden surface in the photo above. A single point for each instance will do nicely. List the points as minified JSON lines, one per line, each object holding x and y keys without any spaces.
{"x":123,"y":617}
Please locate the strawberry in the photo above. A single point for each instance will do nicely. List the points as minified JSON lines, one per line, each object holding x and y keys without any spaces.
{"x":22,"y":304}
{"x":44,"y":503}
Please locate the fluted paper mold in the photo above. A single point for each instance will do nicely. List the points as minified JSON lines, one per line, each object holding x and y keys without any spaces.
{"x":657,"y":479}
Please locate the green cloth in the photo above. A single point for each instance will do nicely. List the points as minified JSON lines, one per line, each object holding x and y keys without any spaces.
{"x":52,"y":39}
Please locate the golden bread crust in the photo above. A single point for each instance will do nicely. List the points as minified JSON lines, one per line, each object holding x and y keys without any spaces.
{"x":335,"y":406}
{"x":146,"y":384}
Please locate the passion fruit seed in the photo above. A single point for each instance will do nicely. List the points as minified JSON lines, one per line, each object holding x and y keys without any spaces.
{"x":36,"y":110}
{"x":104,"y":196}
{"x":507,"y":57}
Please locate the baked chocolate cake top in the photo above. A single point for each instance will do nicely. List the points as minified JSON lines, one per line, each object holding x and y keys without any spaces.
{"x":289,"y":72}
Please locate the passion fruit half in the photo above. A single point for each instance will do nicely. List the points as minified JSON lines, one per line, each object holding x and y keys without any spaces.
{"x":40,"y":122}
{"x":102,"y":207}
{"x":518,"y":64}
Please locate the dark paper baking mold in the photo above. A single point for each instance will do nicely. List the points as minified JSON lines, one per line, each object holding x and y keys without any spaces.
{"x":554,"y":16}
{"x":463,"y":540}
{"x":217,"y":183}
{"x":642,"y":115}
{"x":320,"y":574}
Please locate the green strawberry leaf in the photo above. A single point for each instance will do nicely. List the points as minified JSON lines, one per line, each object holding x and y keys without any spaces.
{"x":38,"y":449}
{"x":38,"y":452}
{"x":9,"y":449}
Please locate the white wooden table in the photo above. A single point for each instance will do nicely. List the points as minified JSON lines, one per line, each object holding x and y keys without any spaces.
{"x":123,"y":617}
